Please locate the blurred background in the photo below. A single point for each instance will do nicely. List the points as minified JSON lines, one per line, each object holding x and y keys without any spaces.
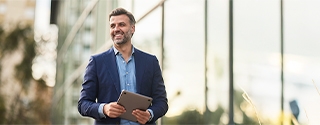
{"x":244,"y":62}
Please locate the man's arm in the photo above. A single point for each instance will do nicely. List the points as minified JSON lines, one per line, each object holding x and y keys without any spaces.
{"x":160,"y":101}
{"x":87,"y":105}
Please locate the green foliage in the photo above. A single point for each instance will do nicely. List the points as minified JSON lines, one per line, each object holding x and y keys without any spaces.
{"x":2,"y":110}
{"x":247,"y":120}
{"x":194,"y":117}
{"x":190,"y":117}
{"x":24,"y":70}
{"x":24,"y":110}
{"x":2,"y":102}
{"x":216,"y":115}
{"x":209,"y":117}
{"x":11,"y":41}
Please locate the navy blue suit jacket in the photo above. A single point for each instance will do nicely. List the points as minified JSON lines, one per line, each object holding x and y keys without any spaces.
{"x":101,"y":84}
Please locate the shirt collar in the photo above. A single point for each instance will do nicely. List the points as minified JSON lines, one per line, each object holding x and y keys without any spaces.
{"x":116,"y":51}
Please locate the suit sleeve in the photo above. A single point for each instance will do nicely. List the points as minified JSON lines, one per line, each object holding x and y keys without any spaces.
{"x":87,"y":105}
{"x":160,"y":101}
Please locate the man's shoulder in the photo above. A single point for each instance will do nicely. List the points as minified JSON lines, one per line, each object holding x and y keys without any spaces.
{"x":103,"y":54}
{"x":142,"y":53}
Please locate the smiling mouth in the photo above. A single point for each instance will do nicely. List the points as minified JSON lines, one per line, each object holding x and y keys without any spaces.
{"x":118,"y":36}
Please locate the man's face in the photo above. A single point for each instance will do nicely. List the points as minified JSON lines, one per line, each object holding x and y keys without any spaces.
{"x":120,"y":29}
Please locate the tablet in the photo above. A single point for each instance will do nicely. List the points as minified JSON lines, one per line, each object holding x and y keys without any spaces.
{"x":131,"y":101}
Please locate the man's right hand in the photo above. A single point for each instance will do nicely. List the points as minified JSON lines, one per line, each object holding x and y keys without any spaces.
{"x":113,"y":110}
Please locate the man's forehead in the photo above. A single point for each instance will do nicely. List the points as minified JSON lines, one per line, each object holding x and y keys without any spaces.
{"x":119,"y":19}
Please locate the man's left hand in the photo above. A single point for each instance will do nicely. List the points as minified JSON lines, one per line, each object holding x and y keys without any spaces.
{"x":142,"y":116}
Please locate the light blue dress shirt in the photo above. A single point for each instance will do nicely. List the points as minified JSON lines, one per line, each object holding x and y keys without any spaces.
{"x":127,"y":81}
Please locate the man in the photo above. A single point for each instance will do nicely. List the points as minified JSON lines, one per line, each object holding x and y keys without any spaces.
{"x":122,"y":67}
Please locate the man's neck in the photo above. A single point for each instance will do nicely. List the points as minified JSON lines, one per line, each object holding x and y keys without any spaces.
{"x":125,"y":50}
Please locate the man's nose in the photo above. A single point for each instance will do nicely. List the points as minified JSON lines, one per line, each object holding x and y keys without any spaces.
{"x":116,"y":28}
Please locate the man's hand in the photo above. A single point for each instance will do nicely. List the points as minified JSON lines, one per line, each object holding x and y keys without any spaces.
{"x":113,"y":110}
{"x":142,"y":116}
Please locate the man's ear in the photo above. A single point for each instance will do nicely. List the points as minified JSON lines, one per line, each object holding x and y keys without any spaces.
{"x":133,"y":28}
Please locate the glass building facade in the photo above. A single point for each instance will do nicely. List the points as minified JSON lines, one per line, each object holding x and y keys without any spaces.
{"x":191,"y":39}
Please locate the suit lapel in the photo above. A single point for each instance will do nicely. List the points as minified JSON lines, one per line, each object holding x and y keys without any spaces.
{"x":113,"y":69}
{"x":139,"y":63}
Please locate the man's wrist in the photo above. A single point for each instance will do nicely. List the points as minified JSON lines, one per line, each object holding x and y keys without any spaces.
{"x":100,"y":110}
{"x":151,"y":114}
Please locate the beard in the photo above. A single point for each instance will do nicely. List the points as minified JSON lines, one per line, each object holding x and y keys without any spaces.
{"x":125,"y":39}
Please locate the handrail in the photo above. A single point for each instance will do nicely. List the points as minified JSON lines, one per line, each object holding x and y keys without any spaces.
{"x":76,"y":27}
{"x":65,"y":46}
{"x":152,"y":9}
{"x":73,"y":76}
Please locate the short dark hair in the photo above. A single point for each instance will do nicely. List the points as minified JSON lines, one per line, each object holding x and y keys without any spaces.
{"x":120,"y":11}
